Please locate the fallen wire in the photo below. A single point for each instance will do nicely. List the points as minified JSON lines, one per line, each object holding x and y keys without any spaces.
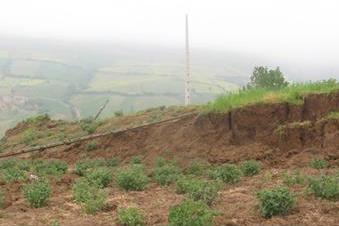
{"x":87,"y":137}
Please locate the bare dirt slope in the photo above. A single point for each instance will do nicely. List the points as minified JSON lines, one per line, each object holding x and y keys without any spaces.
{"x":281,"y":136}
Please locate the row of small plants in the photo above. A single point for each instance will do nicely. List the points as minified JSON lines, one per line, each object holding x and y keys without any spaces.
{"x":199,"y":182}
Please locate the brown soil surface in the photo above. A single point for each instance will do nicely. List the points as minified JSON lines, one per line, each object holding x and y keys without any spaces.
{"x":281,"y":136}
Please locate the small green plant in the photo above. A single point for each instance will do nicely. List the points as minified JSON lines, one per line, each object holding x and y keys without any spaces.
{"x":89,"y":125}
{"x":198,"y":189}
{"x":228,"y":173}
{"x":100,"y":177}
{"x":91,"y":146}
{"x":13,"y":174}
{"x":189,"y":213}
{"x":91,"y":197}
{"x":166,"y":173}
{"x":293,"y":178}
{"x":250,"y":167}
{"x":37,"y":193}
{"x":333,"y":115}
{"x":136,"y":159}
{"x":275,"y":201}
{"x":83,"y":166}
{"x":319,"y":163}
{"x":29,"y":136}
{"x":326,"y":187}
{"x":112,"y":162}
{"x":95,"y":202}
{"x":130,"y":217}
{"x":54,"y":223}
{"x":132,"y":178}
{"x":197,"y":168}
{"x":50,"y":167}
{"x":38,"y":118}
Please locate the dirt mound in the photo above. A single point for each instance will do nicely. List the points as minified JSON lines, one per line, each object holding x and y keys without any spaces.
{"x":272,"y":133}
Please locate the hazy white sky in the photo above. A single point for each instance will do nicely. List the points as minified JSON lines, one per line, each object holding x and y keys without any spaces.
{"x":299,"y":29}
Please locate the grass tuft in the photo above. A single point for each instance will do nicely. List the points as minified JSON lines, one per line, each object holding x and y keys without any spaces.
{"x":292,"y":94}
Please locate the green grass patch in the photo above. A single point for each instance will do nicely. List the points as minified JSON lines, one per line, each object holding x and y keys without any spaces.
{"x":319,"y":163}
{"x":326,"y":187}
{"x":191,"y":212}
{"x":166,"y":172}
{"x":333,"y":115}
{"x":198,"y":189}
{"x":100,"y":177}
{"x":228,"y":173}
{"x":90,"y":196}
{"x":197,"y":168}
{"x":37,"y":193}
{"x":132,"y":178}
{"x":250,"y":167}
{"x":293,"y":178}
{"x":84,"y":166}
{"x":292,"y":94}
{"x":276,"y":201}
{"x":130,"y":217}
{"x":91,"y":146}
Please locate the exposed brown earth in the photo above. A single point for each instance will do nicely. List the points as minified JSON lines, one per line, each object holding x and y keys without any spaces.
{"x":281,"y":136}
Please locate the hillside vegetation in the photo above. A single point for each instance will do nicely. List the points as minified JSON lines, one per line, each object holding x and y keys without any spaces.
{"x":293,"y":94}
{"x":260,"y":165}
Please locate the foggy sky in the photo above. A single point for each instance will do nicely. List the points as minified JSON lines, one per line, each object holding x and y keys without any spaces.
{"x":306,"y":31}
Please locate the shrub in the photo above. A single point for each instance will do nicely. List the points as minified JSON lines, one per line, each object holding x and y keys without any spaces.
{"x":95,"y":202}
{"x":8,"y":163}
{"x":275,"y":201}
{"x":293,"y":178}
{"x":189,"y":213}
{"x":228,"y":173}
{"x":13,"y":174}
{"x":51,"y":167}
{"x":83,"y":166}
{"x":326,"y":187}
{"x":100,"y":177}
{"x":91,"y":146}
{"x":29,"y":136}
{"x":198,"y":189}
{"x":130,"y":217}
{"x":166,"y":174}
{"x":37,"y":193}
{"x":38,"y":118}
{"x":112,"y":162}
{"x":197,"y":168}
{"x":91,"y":197}
{"x":54,"y":223}
{"x":82,"y":189}
{"x":318,"y":163}
{"x":89,"y":125}
{"x":136,"y":160}
{"x":132,"y":178}
{"x":250,"y":167}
